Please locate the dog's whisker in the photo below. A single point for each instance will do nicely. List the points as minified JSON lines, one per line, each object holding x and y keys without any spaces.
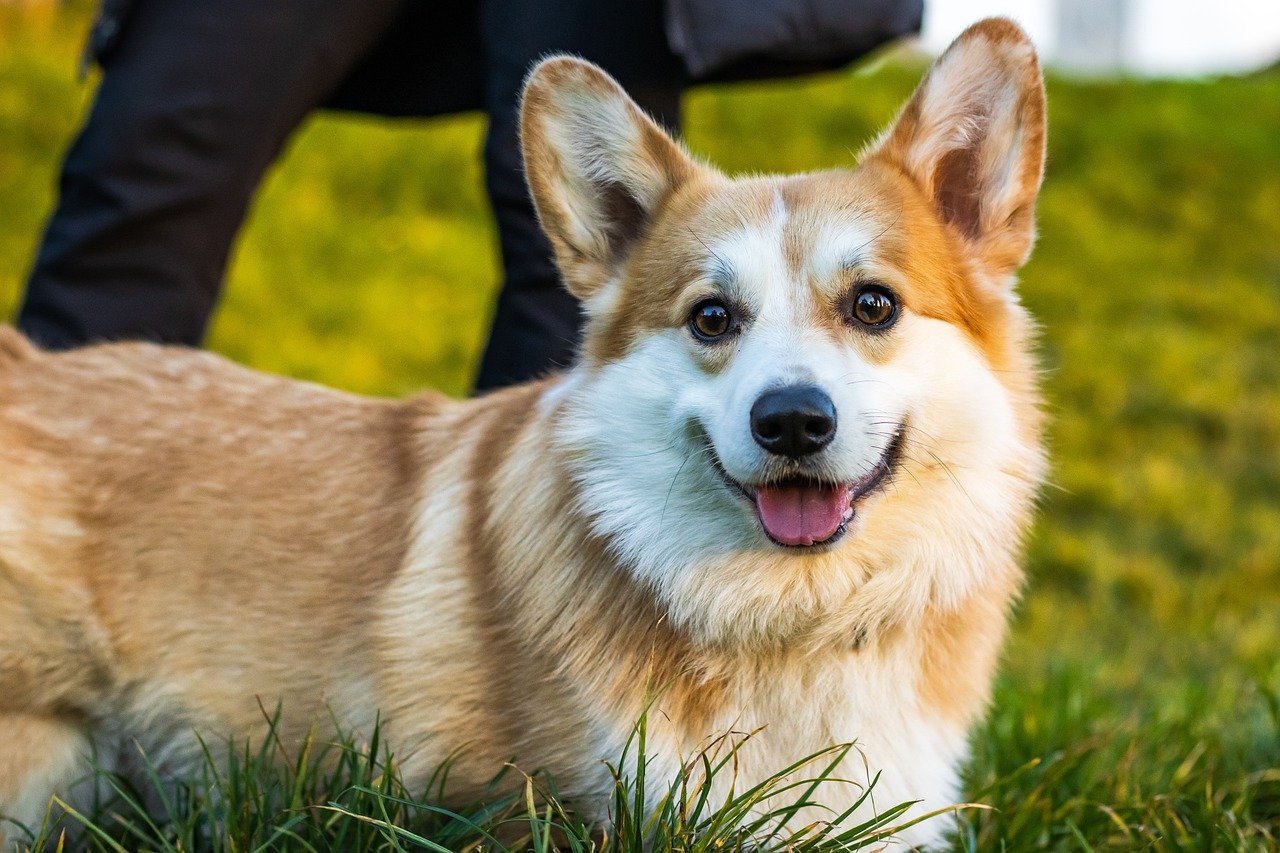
{"x":670,"y":488}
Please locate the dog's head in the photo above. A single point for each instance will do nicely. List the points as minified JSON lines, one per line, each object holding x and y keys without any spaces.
{"x":791,"y":385}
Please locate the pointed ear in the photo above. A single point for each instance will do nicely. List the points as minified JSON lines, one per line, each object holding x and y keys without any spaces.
{"x":972,"y":137}
{"x":598,"y":167}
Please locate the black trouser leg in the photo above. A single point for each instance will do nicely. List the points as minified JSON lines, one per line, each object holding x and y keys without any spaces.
{"x":200,"y":95}
{"x":536,"y":324}
{"x":194,"y":103}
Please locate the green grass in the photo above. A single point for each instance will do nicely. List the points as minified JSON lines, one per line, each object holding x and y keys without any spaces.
{"x":1139,"y":702}
{"x":336,"y":794}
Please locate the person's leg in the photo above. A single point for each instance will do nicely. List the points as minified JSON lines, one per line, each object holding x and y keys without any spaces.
{"x":196,"y":100}
{"x":537,"y":323}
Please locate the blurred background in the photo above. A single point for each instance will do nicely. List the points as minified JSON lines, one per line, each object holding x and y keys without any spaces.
{"x":1140,"y":700}
{"x":1176,"y":38}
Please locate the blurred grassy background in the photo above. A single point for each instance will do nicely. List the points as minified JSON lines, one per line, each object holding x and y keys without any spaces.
{"x":1142,"y":676}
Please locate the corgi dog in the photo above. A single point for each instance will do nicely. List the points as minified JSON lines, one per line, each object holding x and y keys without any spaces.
{"x":783,"y":488}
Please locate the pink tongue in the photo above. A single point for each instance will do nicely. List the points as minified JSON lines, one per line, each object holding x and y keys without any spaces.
{"x":802,"y":515}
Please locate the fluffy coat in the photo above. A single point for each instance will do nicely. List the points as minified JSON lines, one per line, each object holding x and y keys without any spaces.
{"x":183,"y":540}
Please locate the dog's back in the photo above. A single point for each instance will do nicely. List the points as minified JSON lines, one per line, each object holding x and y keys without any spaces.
{"x":140,"y":485}
{"x":143,"y":473}
{"x":13,"y":346}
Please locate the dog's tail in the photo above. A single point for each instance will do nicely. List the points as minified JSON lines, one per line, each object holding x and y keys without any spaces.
{"x":14,"y":346}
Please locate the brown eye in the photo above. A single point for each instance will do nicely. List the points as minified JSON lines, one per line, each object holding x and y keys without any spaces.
{"x":710,"y":320}
{"x":875,"y":306}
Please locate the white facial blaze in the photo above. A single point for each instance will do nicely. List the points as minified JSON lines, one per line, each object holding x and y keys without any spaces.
{"x":784,"y":346}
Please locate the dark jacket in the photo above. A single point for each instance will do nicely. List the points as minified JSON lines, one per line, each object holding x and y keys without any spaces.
{"x":734,"y":39}
{"x":715,"y":39}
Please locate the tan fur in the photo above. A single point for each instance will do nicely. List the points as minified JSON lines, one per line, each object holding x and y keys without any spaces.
{"x":43,"y":757}
{"x":13,"y":346}
{"x":184,"y":542}
{"x":950,"y":140}
{"x":565,"y":99}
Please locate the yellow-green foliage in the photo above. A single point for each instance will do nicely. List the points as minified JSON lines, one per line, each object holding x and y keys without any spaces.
{"x":1142,"y":673}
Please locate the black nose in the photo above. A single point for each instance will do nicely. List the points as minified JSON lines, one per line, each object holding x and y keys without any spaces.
{"x":794,"y":421}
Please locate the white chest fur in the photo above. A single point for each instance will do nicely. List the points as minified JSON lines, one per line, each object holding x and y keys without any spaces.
{"x":779,"y":713}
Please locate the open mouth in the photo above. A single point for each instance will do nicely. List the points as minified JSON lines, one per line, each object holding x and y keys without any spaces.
{"x":803,"y":511}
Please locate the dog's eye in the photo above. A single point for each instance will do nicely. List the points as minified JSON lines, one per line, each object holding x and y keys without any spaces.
{"x":710,"y":320}
{"x":874,"y":306}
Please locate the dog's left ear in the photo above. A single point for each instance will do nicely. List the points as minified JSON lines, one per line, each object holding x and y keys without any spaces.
{"x":598,"y":167}
{"x":972,"y":137}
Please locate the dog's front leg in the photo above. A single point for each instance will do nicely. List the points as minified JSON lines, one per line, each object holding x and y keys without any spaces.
{"x":40,"y":757}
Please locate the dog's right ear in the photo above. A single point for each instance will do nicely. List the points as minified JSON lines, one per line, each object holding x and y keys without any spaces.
{"x":598,"y":167}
